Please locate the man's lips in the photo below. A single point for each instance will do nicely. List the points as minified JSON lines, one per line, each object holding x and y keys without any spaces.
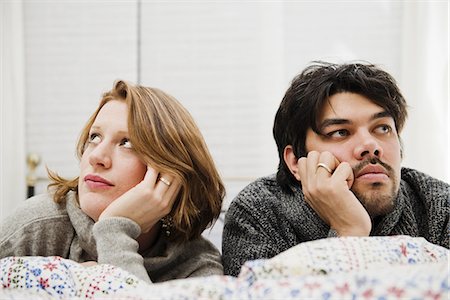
{"x":95,"y":181}
{"x":372,"y":172}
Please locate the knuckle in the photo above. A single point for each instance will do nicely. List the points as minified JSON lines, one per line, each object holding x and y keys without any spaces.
{"x":326,"y":156}
{"x":158,"y":198}
{"x":148,"y":193}
{"x":345,"y":164}
{"x":165,"y":207}
{"x":313,"y":154}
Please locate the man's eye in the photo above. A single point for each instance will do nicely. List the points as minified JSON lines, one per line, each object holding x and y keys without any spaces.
{"x":338,"y":133}
{"x":94,"y":138}
{"x":126,"y":143}
{"x":383,"y":129}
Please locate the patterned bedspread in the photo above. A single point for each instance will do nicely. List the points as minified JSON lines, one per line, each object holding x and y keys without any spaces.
{"x":399,"y":267}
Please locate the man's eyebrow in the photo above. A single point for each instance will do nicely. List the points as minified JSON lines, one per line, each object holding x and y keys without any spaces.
{"x":381,"y":114}
{"x":329,"y":122}
{"x":338,"y":121}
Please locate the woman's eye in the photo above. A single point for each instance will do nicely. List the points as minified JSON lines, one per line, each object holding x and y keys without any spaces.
{"x":94,"y":138}
{"x":338,"y":133}
{"x":126,"y":143}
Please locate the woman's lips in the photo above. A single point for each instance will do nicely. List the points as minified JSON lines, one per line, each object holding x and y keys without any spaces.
{"x":97,"y":182}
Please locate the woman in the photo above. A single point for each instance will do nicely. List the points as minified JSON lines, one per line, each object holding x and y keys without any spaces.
{"x":147,"y":189}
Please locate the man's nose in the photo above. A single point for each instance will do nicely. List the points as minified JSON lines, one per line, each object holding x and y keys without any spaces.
{"x":367,"y":146}
{"x":100,"y":156}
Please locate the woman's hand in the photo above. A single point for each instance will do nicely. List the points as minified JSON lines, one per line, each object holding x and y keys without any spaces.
{"x":329,"y":194}
{"x":147,"y":202}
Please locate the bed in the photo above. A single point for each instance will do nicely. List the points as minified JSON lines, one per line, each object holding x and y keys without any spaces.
{"x":395,"y":267}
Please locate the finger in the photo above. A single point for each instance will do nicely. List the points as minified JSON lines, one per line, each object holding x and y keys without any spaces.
{"x":311,"y":163}
{"x":305,"y":180}
{"x":172,"y":192}
{"x":150,"y":177}
{"x":326,"y":164}
{"x":336,"y":163}
{"x":164,"y":182}
{"x":168,"y":192}
{"x":344,"y":172}
{"x":301,"y":164}
{"x":169,"y":195}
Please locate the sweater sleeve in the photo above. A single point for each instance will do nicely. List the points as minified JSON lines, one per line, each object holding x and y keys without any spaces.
{"x":116,"y":245}
{"x":203,"y":258}
{"x":249,"y":233}
{"x":37,"y":227}
{"x":193,"y":258}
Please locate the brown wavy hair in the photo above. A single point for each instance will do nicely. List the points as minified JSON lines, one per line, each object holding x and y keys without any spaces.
{"x":165,"y":136}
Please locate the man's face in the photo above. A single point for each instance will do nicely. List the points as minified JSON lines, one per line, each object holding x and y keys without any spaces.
{"x":360,"y":132}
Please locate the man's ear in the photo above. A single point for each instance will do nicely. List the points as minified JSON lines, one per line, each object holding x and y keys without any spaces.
{"x":291,"y":161}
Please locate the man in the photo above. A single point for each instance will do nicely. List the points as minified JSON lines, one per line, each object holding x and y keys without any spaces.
{"x":337,"y":132}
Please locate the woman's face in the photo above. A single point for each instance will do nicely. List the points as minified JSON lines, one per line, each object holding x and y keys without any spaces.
{"x":109,"y":165}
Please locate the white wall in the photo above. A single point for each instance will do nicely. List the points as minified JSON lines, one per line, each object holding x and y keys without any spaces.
{"x":74,"y":51}
{"x":425,"y":82}
{"x":12,"y":107}
{"x":228,"y":62}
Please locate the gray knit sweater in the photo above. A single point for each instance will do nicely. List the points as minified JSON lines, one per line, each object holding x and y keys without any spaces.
{"x":263,"y":221}
{"x":41,"y":227}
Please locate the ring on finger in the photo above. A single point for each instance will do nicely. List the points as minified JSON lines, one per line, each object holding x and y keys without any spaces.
{"x":165,"y":181}
{"x":322,"y":165}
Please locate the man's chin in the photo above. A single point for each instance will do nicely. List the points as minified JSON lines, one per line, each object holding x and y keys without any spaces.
{"x":378,"y":200}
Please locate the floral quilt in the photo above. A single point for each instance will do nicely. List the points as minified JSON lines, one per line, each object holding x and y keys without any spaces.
{"x":398,"y":267}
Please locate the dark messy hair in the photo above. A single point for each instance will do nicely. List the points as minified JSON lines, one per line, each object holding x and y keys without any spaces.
{"x":311,"y":89}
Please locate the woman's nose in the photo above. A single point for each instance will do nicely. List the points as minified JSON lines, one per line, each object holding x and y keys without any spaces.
{"x":100,"y":156}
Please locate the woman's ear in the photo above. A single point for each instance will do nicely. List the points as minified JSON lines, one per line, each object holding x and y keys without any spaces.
{"x":291,"y":161}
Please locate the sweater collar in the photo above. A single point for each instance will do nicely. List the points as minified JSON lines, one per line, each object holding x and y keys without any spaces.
{"x":82,"y":224}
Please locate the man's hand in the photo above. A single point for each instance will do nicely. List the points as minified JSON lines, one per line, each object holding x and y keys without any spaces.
{"x":329,"y":194}
{"x":147,"y":202}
